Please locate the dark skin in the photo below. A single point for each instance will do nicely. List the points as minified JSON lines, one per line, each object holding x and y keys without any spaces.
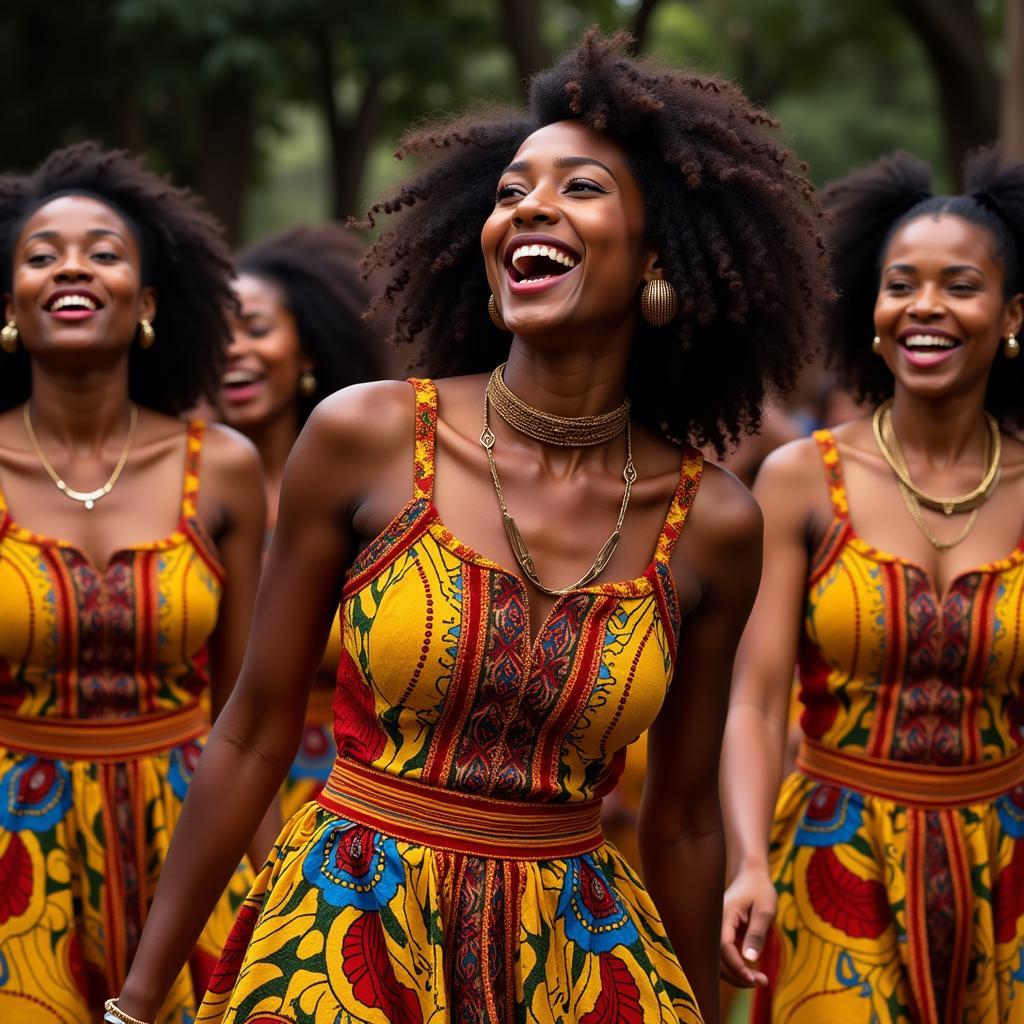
{"x":80,"y":411}
{"x":940,"y":275}
{"x":351,"y":472}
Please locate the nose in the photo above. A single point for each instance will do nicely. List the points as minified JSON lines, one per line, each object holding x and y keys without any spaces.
{"x":72,"y":267}
{"x":536,"y":207}
{"x":238,"y":344}
{"x":927,"y":302}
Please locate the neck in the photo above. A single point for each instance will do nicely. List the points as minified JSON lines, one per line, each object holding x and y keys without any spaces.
{"x":81,"y":411}
{"x":274,"y":439}
{"x":580,"y":382}
{"x":940,"y":432}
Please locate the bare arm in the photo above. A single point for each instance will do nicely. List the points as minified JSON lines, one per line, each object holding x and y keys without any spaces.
{"x":256,"y":735}
{"x":755,"y":735}
{"x":681,"y":841}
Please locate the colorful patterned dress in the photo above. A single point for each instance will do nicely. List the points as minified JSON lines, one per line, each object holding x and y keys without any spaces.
{"x":100,"y":728}
{"x":898,"y":845}
{"x":453,"y":868}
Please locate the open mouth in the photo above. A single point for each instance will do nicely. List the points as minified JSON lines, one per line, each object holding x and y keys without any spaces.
{"x":533,"y":263}
{"x":929,"y":342}
{"x":67,"y":305}
{"x":239,"y":385}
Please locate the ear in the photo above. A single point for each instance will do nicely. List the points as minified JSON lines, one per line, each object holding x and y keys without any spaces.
{"x":306,"y":362}
{"x":8,"y":308}
{"x":147,"y":303}
{"x":1013,"y":315}
{"x":651,"y":264}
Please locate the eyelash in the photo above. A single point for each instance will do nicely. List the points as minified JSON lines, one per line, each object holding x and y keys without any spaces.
{"x":507,"y":191}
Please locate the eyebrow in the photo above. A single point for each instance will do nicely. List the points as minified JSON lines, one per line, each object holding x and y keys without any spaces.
{"x":563,"y":162}
{"x":92,"y":233}
{"x":958,"y":268}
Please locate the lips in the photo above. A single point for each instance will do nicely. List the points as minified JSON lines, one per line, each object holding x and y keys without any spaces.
{"x":70,"y":304}
{"x":239,"y":385}
{"x":537,"y":262}
{"x":925,"y":346}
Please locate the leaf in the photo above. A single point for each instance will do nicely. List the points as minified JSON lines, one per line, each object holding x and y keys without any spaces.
{"x":858,"y":907}
{"x":369,"y":970}
{"x":619,"y":1001}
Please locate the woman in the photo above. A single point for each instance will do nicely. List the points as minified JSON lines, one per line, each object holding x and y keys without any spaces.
{"x":894,"y":572}
{"x":453,"y":867}
{"x":297,"y":336}
{"x":129,"y":542}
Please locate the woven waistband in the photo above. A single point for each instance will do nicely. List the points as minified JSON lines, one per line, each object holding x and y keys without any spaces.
{"x":450,"y":820}
{"x":104,"y":741}
{"x":912,"y":785}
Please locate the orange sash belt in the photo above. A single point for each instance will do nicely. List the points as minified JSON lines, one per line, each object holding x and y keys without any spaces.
{"x":103,"y":741}
{"x":460,"y":822}
{"x":925,"y":786}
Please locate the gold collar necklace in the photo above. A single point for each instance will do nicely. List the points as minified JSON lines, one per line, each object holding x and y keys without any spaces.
{"x":564,"y":431}
{"x":515,"y":538}
{"x":86,"y":498}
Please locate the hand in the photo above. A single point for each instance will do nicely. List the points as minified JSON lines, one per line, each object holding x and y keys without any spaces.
{"x":747,"y":913}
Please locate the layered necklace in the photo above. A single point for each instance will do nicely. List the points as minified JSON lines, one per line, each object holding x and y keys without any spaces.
{"x":566,"y":432}
{"x":915,"y":499}
{"x":87,"y":498}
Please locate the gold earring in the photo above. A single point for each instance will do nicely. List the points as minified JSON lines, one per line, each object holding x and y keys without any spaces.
{"x":659,"y":302}
{"x":495,"y":315}
{"x":307,"y":384}
{"x":876,"y":345}
{"x":146,"y":334}
{"x":1012,"y":347}
{"x":9,"y":337}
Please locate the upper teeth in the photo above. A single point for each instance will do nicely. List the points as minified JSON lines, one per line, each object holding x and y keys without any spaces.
{"x":238,"y":377}
{"x":929,"y":341}
{"x":72,"y":300}
{"x":542,"y":250}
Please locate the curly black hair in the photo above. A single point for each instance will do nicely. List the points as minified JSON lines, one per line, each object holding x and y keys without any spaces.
{"x":731,"y":212}
{"x":869,"y":206}
{"x":183,"y":258}
{"x":316,"y":269}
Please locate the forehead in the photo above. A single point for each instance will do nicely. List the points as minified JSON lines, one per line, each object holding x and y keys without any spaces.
{"x":944,"y":239}
{"x":254,"y":290}
{"x":72,"y":215}
{"x":572,"y":139}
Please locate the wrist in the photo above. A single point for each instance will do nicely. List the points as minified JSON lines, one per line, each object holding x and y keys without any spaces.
{"x":138,"y":1007}
{"x":753,"y":863}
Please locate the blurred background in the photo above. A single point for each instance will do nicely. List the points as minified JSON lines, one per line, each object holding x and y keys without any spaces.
{"x":289,"y":110}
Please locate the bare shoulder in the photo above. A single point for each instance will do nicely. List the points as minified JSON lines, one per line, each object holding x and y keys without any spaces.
{"x":793,"y":465}
{"x":227,"y":452}
{"x":724,"y":516}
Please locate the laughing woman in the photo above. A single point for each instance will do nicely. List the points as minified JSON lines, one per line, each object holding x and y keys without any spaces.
{"x":297,"y":335}
{"x":129,"y":541}
{"x":625,"y":232}
{"x":894,"y":572}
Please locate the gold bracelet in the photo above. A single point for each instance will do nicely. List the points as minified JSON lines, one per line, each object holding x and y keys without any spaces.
{"x":111,"y":1007}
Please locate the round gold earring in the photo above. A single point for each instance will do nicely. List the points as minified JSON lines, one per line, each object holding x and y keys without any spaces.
{"x":1011,"y":349}
{"x":495,"y":315}
{"x":876,"y":345}
{"x":146,"y":334}
{"x":659,"y":302}
{"x":307,"y":384}
{"x":9,"y":337}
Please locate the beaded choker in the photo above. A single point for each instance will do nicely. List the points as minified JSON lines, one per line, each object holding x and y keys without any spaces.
{"x":564,"y":431}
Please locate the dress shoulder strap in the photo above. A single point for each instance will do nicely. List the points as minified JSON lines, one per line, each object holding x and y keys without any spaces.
{"x":833,"y":472}
{"x":194,"y":434}
{"x":426,"y":431}
{"x":690,"y":472}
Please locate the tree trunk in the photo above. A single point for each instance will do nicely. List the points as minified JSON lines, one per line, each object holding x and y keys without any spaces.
{"x":952,"y":35}
{"x":1012,"y":133}
{"x":642,"y":25}
{"x":522,"y":32}
{"x":226,"y":154}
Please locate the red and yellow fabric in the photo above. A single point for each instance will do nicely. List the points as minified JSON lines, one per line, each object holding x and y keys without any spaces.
{"x":898,"y":844}
{"x":100,"y":729}
{"x":453,"y":868}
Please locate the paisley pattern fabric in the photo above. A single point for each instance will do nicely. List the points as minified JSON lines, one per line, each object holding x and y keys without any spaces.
{"x":440,"y":685}
{"x":896,"y":907}
{"x":95,"y":661}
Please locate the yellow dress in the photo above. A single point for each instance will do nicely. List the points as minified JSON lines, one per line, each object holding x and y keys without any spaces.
{"x":100,"y":729}
{"x":898,"y":844}
{"x":453,"y":868}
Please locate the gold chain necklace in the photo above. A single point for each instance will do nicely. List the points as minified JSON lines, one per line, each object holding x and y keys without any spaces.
{"x":87,"y":498}
{"x":888,"y":443}
{"x":515,"y":538}
{"x":564,"y":431}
